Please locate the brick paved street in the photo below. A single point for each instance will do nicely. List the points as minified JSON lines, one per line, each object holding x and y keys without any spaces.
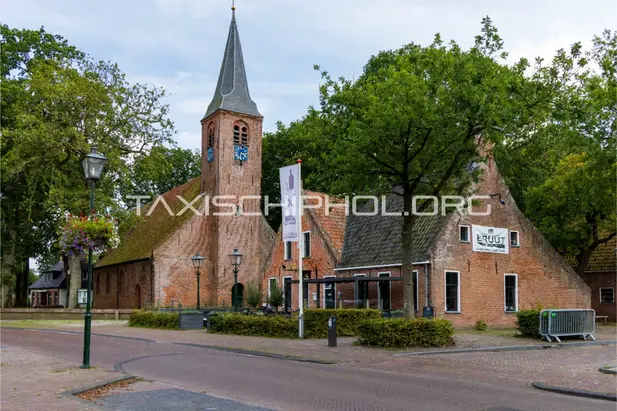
{"x":470,"y":381}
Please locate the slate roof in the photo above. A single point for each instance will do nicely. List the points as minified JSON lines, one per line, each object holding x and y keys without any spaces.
{"x":151,"y":231}
{"x":331,"y":224}
{"x":58,"y":282}
{"x":232,"y":91}
{"x":376,"y":240}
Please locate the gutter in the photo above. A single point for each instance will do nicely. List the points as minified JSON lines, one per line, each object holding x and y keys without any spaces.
{"x":380,"y":266}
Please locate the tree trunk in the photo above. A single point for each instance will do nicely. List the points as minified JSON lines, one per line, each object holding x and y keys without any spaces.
{"x":8,"y":271}
{"x":407,"y":266}
{"x":74,"y":281}
{"x":21,"y":283}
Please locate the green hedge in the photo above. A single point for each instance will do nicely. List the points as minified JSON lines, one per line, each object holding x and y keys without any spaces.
{"x":347,"y":320}
{"x":528,"y":323}
{"x":402,"y":333}
{"x":154,"y":319}
{"x":265,"y":326}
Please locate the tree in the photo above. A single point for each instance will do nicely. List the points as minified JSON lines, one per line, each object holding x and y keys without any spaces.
{"x":568,"y":188}
{"x":56,"y":103}
{"x":253,"y":295}
{"x":160,"y":170}
{"x":414,"y":117}
{"x":276,"y":297}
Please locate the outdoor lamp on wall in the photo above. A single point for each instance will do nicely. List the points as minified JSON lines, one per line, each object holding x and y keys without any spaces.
{"x":92,"y":164}
{"x":235,"y":258}
{"x":197,"y":259}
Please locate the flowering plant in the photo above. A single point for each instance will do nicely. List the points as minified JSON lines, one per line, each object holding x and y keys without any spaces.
{"x":95,"y":232}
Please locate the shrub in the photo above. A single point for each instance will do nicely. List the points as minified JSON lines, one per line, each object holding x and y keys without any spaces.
{"x":401,"y":333}
{"x":528,"y":323}
{"x":347,"y":320}
{"x":154,"y":319}
{"x":276,"y":297}
{"x":265,"y":326}
{"x":253,"y":295}
{"x":481,"y":325}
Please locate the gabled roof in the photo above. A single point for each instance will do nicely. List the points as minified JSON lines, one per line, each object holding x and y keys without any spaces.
{"x":42,"y":282}
{"x":232,"y":91}
{"x":331,"y":223}
{"x":152,"y":231}
{"x":377,"y":240}
{"x":604,"y":258}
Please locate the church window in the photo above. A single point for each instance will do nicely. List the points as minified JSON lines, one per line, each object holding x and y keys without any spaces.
{"x":245,"y":136}
{"x":211,"y":135}
{"x":236,"y":134}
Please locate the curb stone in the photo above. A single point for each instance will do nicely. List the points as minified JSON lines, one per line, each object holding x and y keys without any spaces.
{"x":508,"y":348}
{"x":608,"y":370}
{"x":575,"y":392}
{"x":72,"y":394}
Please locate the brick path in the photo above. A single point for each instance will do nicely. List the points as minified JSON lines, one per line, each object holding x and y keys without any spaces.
{"x":34,"y":382}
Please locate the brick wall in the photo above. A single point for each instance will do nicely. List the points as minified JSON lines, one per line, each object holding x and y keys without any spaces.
{"x":123,"y":286}
{"x":595,"y":281}
{"x":543,"y":275}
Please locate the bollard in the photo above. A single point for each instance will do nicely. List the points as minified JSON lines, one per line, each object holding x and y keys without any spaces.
{"x":332,"y":331}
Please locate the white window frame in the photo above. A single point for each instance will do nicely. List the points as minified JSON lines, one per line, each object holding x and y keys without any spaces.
{"x":445,"y":295}
{"x":270,"y":284}
{"x":460,"y":239}
{"x":518,"y":238}
{"x":505,"y":308}
{"x":379,"y":289}
{"x":323,"y":298}
{"x":607,"y":288}
{"x":304,"y":255}
{"x":415,"y":281}
{"x":287,"y":257}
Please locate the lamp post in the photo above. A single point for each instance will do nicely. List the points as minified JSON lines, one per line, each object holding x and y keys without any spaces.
{"x":197,"y":259}
{"x":236,"y":259}
{"x":93,"y":165}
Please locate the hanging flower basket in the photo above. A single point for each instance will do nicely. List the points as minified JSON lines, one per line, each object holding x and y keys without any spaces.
{"x":94,"y":232}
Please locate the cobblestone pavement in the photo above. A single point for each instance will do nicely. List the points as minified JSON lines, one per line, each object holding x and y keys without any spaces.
{"x":433,"y":383}
{"x":33,"y":382}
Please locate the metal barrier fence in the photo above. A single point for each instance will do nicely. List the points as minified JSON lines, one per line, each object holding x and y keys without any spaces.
{"x":565,"y":323}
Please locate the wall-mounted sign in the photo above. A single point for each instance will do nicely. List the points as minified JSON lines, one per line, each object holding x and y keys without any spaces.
{"x":490,"y":239}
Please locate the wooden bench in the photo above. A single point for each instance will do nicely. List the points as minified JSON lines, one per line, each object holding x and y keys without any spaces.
{"x":601,"y":317}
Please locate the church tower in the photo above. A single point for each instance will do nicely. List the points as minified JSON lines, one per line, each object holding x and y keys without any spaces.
{"x":231,"y":132}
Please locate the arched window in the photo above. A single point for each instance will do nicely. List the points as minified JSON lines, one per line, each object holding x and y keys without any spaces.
{"x":211,"y":135}
{"x":245,"y":136}
{"x":236,"y":134}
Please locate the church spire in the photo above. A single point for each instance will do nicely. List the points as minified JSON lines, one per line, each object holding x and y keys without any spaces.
{"x":232,"y":91}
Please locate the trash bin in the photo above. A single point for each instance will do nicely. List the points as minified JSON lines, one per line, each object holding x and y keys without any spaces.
{"x":332,"y":331}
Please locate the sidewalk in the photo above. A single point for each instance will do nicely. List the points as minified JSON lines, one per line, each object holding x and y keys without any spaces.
{"x":35,"y":382}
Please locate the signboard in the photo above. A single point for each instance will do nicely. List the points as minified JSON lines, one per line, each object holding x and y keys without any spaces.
{"x":82,"y":296}
{"x":490,"y":239}
{"x":290,"y":201}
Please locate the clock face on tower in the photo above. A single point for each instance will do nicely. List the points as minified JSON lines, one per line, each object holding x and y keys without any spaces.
{"x":210,"y":154}
{"x":241,"y":153}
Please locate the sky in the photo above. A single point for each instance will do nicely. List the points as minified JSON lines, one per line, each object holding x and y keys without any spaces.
{"x":178,"y":44}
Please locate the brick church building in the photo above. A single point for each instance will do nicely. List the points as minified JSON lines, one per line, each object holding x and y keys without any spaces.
{"x":153,"y":264}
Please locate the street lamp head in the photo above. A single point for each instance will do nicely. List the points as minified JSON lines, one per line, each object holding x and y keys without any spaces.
{"x":235,"y":258}
{"x":93,"y":164}
{"x":197,"y":259}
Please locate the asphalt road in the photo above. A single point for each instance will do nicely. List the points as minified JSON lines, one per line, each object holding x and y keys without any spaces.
{"x":289,"y":385}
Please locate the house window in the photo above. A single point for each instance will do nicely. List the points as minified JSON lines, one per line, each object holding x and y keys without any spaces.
{"x":362,"y":292}
{"x":514,"y":239}
{"x":107,"y":283}
{"x":84,"y":274}
{"x":464,"y":233}
{"x":271,"y":285}
{"x":306,"y":244}
{"x":415,"y":290}
{"x":236,"y":134}
{"x":511,"y":292}
{"x":288,"y":250}
{"x":211,"y":135}
{"x":607,"y":295}
{"x":453,"y":292}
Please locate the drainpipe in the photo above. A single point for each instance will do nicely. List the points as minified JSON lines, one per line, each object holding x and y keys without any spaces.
{"x":426,"y":286}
